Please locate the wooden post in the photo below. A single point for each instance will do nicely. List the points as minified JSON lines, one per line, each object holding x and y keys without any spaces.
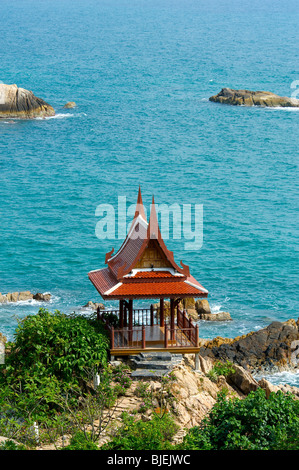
{"x":143,"y":337}
{"x":112,"y":337}
{"x":171,"y":319}
{"x":166,"y":337}
{"x":152,"y":315}
{"x":130,"y":320}
{"x":185,"y":319}
{"x":161,"y":312}
{"x":121,"y":314}
{"x":125,"y":316}
{"x":98,"y":313}
{"x":190,"y":328}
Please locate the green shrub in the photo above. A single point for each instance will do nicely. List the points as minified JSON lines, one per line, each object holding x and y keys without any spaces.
{"x":11,"y":445}
{"x":79,"y":441}
{"x":155,"y":434}
{"x":220,"y":368}
{"x":253,"y":423}
{"x":57,"y":344}
{"x":122,"y":375}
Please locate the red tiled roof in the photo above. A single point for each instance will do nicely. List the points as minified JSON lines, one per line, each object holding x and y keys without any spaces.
{"x":127,"y":253}
{"x":152,"y":289}
{"x":102,"y":279}
{"x":111,"y":283}
{"x":152,"y":274}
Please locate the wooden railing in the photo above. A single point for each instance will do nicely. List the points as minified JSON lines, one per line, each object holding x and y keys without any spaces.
{"x":183,"y":334}
{"x":187,"y":326}
{"x":141,"y":316}
{"x":123,"y":339}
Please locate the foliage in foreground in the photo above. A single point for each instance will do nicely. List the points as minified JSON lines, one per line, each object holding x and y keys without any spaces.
{"x":254,"y":423}
{"x":57,"y":344}
{"x":133,"y":434}
{"x":54,"y":356}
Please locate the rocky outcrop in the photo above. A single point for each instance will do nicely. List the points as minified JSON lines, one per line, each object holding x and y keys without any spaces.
{"x":94,"y":305}
{"x":20,"y":103}
{"x":267,"y":349}
{"x":202,"y":306}
{"x":42,"y":297}
{"x":242,"y":380}
{"x":253,"y":98}
{"x":70,"y":105}
{"x":195,"y":396}
{"x":220,"y":316}
{"x":25,"y":295}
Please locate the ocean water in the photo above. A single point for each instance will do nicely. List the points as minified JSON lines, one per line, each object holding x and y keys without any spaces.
{"x":141,"y":73}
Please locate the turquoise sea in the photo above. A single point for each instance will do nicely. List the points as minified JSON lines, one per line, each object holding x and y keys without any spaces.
{"x":141,"y":73}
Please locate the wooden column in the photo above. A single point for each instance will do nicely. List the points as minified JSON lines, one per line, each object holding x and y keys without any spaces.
{"x":125,"y":316}
{"x":130,"y":319}
{"x":121,"y":314}
{"x":152,"y":315}
{"x":172,"y":318}
{"x":161,"y":312}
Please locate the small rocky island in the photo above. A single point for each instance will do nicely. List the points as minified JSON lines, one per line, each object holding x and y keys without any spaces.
{"x":24,"y":296}
{"x":253,"y":98}
{"x":19,"y":103}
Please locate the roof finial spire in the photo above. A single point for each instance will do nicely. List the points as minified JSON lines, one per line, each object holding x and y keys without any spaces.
{"x":139,"y":206}
{"x":153,"y":225}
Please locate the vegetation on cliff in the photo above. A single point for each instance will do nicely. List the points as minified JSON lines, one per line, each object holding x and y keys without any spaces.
{"x":49,"y":378}
{"x":254,"y":423}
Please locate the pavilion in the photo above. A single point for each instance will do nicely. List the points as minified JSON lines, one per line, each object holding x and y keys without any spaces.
{"x":143,"y":268}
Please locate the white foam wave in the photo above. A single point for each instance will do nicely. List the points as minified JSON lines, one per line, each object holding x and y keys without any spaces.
{"x":57,"y":116}
{"x":215,"y":308}
{"x":281,"y":378}
{"x":60,"y":116}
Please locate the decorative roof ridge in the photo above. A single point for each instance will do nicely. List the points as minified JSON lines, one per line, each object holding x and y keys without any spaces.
{"x":154,"y":229}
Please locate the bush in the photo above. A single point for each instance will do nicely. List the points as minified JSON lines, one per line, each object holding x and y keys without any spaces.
{"x":139,"y":435}
{"x":253,"y":423}
{"x":11,"y":445}
{"x":57,"y":344}
{"x":79,"y":441}
{"x":220,"y":368}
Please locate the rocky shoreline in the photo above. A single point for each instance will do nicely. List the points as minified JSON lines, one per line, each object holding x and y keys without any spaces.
{"x":271,"y":349}
{"x":253,"y":98}
{"x":23,"y":296}
{"x":19,"y":103}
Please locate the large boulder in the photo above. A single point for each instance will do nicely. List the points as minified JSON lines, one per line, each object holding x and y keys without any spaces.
{"x":94,"y":305}
{"x":220,"y":316}
{"x":242,"y":380}
{"x":253,"y":98}
{"x":42,"y":297}
{"x":17,"y":102}
{"x":25,"y":295}
{"x":203,"y":306}
{"x":267,"y":349}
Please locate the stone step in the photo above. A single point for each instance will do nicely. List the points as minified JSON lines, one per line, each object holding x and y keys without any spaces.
{"x":152,"y":364}
{"x":155,"y":356}
{"x":146,"y":373}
